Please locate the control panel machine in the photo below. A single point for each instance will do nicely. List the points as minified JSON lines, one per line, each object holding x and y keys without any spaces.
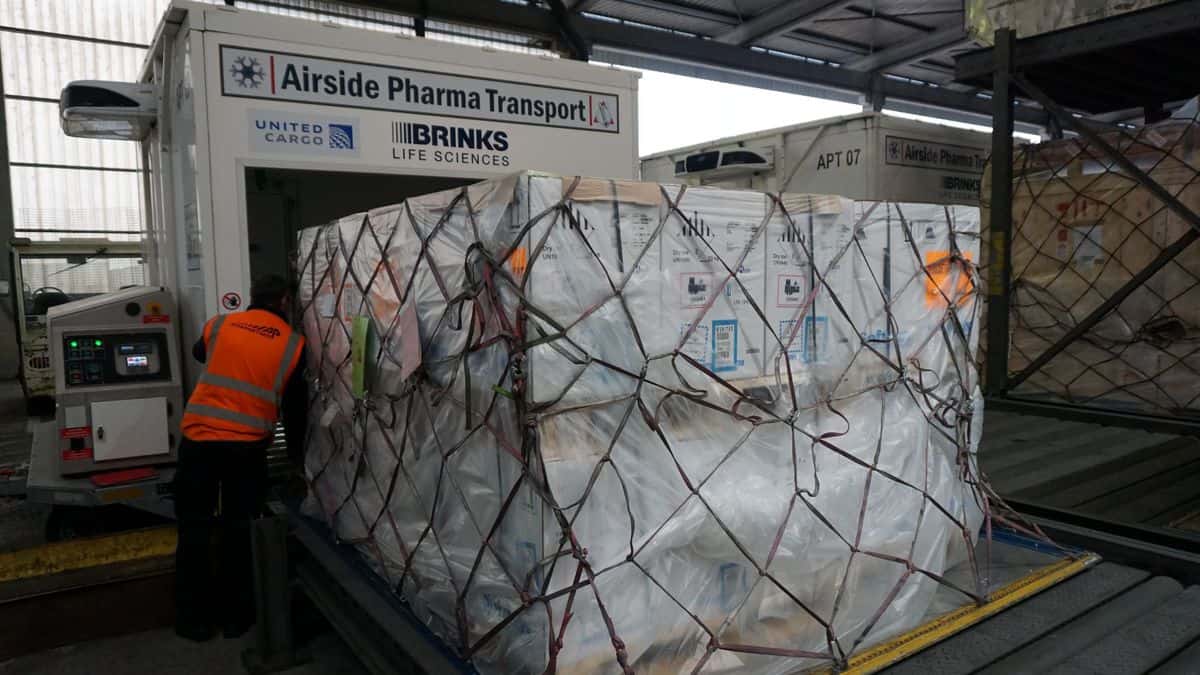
{"x":118,"y":380}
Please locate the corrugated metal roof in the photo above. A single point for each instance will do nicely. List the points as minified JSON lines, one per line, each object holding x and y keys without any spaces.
{"x":712,"y":21}
{"x":122,"y":20}
{"x":40,"y":66}
{"x":838,"y":32}
{"x":34,"y":136}
{"x":76,"y":199}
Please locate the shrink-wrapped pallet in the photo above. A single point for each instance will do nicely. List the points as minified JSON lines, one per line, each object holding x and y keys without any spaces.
{"x":589,"y":426}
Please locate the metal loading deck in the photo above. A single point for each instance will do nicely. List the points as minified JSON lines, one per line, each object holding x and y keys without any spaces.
{"x":1108,"y":618}
{"x":387,"y":636}
{"x":1108,"y":473}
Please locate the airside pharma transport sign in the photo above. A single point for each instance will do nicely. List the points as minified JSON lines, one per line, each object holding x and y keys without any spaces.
{"x":271,"y":75}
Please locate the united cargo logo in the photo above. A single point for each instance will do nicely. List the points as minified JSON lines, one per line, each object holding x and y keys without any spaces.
{"x":341,"y":136}
{"x":281,"y":76}
{"x":302,"y":134}
{"x":448,"y":144}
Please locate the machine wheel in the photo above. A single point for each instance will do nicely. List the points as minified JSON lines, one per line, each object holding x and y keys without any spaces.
{"x":72,"y":522}
{"x":39,"y":406}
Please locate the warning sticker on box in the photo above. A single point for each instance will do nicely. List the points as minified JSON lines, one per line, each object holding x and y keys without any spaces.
{"x":1087,"y":246}
{"x":725,"y":345}
{"x":694,"y":288}
{"x":939,"y":285}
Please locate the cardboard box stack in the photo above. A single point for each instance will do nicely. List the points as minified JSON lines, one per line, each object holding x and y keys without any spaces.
{"x":1082,"y":228}
{"x":582,"y":425}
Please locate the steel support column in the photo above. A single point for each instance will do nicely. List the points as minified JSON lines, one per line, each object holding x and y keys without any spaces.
{"x":1000,"y":222}
{"x":1138,"y":280}
{"x":274,"y":647}
{"x":575,"y":42}
{"x":10,"y":348}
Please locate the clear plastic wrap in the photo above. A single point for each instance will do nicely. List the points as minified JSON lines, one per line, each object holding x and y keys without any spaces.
{"x":652,"y":428}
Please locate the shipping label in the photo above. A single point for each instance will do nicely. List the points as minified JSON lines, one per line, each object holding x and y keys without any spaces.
{"x":725,"y":355}
{"x":810,"y":343}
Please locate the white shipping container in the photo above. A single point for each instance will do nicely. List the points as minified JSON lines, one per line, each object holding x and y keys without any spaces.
{"x":269,"y":124}
{"x":867,"y":156}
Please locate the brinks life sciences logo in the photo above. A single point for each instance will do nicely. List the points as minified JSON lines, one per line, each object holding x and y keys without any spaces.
{"x":272,"y":132}
{"x":450,"y":144}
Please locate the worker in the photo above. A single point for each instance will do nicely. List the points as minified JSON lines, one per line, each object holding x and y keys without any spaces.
{"x":253,"y":371}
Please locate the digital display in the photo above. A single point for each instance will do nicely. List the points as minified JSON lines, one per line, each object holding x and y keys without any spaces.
{"x":137,"y":361}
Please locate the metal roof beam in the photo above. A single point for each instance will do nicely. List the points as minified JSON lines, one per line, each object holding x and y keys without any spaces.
{"x":622,"y":43}
{"x":610,"y":40}
{"x":579,"y":5}
{"x":912,"y":50}
{"x":779,"y":19}
{"x":575,"y":42}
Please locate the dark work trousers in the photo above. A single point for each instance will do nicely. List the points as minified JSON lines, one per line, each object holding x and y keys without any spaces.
{"x":219,"y":488}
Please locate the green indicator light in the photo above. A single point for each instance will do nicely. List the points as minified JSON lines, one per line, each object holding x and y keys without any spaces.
{"x":99,"y":343}
{"x":74,"y":344}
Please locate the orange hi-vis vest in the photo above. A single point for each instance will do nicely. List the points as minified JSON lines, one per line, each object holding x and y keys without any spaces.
{"x":250,"y":356}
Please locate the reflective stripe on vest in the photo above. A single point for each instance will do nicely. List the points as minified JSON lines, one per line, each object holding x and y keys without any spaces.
{"x":254,"y":417}
{"x":289,"y":353}
{"x":231,"y":416}
{"x":238,"y":385}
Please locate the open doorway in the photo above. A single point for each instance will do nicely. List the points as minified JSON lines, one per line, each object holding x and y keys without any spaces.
{"x":281,"y":202}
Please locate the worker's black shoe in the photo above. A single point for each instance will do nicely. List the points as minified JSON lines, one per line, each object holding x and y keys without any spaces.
{"x":195,"y":633}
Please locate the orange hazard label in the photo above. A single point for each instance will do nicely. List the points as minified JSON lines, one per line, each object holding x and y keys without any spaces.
{"x":519,"y":261}
{"x":942,"y":268}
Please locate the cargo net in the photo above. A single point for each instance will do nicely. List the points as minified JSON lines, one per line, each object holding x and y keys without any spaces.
{"x":591,"y":426}
{"x":1083,"y":228}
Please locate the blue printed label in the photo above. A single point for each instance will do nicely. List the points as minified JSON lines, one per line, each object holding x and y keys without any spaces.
{"x":814,"y":339}
{"x":725,"y":346}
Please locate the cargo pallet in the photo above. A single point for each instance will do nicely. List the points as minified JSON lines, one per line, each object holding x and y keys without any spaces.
{"x":387,"y":637}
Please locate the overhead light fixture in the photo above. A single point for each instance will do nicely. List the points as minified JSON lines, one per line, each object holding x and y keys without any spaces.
{"x":108,"y":110}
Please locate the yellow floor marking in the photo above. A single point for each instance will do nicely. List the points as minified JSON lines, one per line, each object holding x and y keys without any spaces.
{"x":91,"y":552}
{"x":881,"y":656}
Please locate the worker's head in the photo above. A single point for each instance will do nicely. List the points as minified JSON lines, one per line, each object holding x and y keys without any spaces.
{"x":271,"y":292}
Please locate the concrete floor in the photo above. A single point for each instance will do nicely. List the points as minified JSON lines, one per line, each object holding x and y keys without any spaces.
{"x":162,"y":653}
{"x":22,"y":525}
